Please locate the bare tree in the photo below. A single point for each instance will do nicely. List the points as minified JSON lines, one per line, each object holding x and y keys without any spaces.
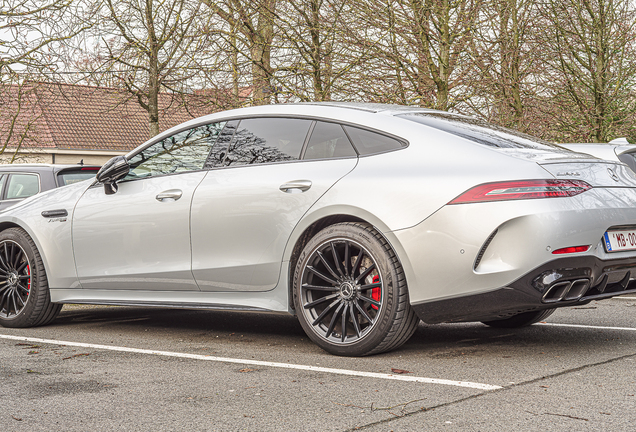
{"x":592,"y":67}
{"x":152,"y":48}
{"x":506,"y":54}
{"x":32,"y":33}
{"x":425,"y":43}
{"x":251,"y":31}
{"x":322,"y":48}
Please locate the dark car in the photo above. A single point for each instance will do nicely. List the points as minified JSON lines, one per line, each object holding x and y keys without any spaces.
{"x":20,"y":181}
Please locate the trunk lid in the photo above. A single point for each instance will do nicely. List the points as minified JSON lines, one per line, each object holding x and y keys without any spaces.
{"x":599,"y":173}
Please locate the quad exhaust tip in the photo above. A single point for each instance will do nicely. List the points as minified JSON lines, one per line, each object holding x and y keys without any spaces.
{"x":566,"y":291}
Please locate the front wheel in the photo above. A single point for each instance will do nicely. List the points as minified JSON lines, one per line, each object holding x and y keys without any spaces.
{"x":521,"y":320}
{"x":24,"y":292}
{"x":350,"y":292}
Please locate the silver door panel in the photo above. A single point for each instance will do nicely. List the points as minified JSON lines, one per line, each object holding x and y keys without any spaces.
{"x":242,"y":218}
{"x":137,"y":238}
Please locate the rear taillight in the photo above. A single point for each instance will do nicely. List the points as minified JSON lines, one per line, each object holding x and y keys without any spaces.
{"x":522,"y":189}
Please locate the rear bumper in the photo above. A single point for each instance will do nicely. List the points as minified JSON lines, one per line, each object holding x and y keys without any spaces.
{"x":559,"y":283}
{"x":483,"y":261}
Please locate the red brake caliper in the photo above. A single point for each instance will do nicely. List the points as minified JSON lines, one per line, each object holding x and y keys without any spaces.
{"x":376,"y":292}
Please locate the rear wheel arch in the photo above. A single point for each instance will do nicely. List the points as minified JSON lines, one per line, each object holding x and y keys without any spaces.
{"x":336,"y":307}
{"x":305,"y":237}
{"x":312,"y":230}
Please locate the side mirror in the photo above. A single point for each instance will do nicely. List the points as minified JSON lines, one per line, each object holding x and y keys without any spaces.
{"x":112,"y":171}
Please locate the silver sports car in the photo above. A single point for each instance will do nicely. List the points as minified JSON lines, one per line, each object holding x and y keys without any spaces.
{"x":359,"y":219}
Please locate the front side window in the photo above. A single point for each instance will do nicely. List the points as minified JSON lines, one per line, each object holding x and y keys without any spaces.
{"x":182,"y":152}
{"x":22,"y":186}
{"x":267,"y":140}
{"x":328,"y":141}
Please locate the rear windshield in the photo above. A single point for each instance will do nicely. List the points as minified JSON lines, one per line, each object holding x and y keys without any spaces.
{"x":76,"y":175}
{"x":482,"y":132}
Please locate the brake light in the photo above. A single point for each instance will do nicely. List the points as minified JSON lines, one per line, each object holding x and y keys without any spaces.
{"x":90,"y":169}
{"x":522,"y":189}
{"x":571,"y":249}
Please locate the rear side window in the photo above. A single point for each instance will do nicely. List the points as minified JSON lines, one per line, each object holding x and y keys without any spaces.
{"x":266,"y":140}
{"x":22,"y":186}
{"x":367,"y":142}
{"x":328,"y":140}
{"x":75,"y":175}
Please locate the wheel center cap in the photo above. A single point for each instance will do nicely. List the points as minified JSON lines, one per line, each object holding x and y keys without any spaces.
{"x":347,"y":290}
{"x":12,"y":278}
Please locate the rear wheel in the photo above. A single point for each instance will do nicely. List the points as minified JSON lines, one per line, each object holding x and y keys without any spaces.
{"x":521,"y":320}
{"x":350,"y":292}
{"x":24,"y":293}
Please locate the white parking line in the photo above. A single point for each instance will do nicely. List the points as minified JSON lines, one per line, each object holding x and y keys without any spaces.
{"x":261,"y":363}
{"x":587,"y":326}
{"x":623,"y":298}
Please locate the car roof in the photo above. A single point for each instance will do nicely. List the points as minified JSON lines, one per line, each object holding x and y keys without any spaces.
{"x":344,"y":111}
{"x":41,"y":167}
{"x":373,"y":107}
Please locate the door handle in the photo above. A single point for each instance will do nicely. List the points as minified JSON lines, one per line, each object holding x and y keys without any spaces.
{"x":169,"y":195}
{"x":295,"y":186}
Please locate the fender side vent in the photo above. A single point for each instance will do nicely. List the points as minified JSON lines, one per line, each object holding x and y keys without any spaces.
{"x":482,"y":251}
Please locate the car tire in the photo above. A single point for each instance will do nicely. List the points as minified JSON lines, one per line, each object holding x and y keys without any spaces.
{"x":521,"y":320}
{"x":25,"y":300}
{"x":350,"y":292}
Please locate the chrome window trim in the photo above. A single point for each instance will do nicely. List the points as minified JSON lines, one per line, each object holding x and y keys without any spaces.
{"x":315,"y":119}
{"x":402,"y":140}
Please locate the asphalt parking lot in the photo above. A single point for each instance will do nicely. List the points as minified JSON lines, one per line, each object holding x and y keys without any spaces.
{"x":135,"y":369}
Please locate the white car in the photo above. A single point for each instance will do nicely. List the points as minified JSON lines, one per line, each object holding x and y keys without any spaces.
{"x":617,"y":150}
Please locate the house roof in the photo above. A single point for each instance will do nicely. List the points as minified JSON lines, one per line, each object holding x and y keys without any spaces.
{"x":79,"y":117}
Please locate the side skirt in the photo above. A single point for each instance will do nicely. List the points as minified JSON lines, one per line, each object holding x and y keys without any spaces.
{"x":275,"y":300}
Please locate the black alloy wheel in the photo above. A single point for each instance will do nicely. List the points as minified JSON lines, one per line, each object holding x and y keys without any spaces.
{"x":341,"y":291}
{"x":15,"y":279}
{"x":350,"y":292}
{"x":24,"y":292}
